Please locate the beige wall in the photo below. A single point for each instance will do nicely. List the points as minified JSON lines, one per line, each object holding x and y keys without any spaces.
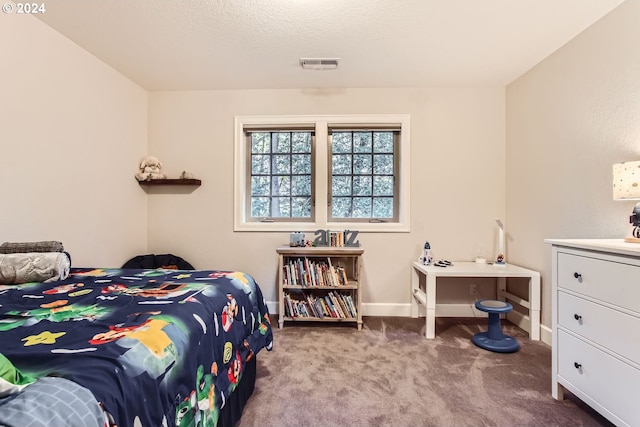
{"x":568,"y":120}
{"x":74,"y":130}
{"x":457,"y":171}
{"x":71,"y":132}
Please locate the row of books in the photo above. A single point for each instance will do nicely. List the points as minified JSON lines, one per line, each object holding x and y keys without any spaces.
{"x":306,"y":272}
{"x":334,"y":304}
{"x":335,"y":238}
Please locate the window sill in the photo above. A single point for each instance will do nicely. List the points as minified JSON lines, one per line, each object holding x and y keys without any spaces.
{"x":312,"y":227}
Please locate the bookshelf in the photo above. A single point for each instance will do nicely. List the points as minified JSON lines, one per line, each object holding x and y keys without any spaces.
{"x":319,"y":284}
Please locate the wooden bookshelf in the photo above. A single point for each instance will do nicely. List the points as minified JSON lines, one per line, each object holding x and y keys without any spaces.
{"x":319,"y":284}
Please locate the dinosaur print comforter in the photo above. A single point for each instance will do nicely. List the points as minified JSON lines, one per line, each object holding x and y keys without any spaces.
{"x":155,"y":347}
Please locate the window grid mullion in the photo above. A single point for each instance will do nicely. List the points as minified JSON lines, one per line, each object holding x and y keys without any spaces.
{"x":275,"y":157}
{"x":363,"y":151}
{"x":371,"y":175}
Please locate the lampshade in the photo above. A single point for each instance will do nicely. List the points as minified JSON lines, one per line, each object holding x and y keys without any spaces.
{"x":626,"y":181}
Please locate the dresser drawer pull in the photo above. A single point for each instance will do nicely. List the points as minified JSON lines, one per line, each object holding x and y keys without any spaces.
{"x":577,"y":275}
{"x":577,"y":317}
{"x":577,"y":365}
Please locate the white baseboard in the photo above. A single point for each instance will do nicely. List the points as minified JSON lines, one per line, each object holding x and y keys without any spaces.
{"x":546,"y":336}
{"x":519,"y":319}
{"x":442,"y":310}
{"x":386,"y":310}
{"x":272,"y":306}
{"x":404,"y":310}
{"x":458,"y":310}
{"x":373,"y":309}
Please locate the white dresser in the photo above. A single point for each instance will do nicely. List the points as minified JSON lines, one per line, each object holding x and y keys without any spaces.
{"x":596,"y":325}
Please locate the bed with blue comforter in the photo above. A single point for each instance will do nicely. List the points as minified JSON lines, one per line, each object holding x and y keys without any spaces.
{"x":153,"y":347}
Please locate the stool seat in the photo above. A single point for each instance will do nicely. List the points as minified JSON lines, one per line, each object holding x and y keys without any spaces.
{"x":494,"y":339}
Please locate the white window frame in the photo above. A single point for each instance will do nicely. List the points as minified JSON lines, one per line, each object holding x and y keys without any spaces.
{"x":321,"y":123}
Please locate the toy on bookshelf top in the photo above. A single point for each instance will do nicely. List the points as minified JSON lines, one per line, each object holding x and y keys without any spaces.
{"x":296,"y":239}
{"x":336,"y":238}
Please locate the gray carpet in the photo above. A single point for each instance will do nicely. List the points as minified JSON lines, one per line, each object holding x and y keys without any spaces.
{"x":388,"y":374}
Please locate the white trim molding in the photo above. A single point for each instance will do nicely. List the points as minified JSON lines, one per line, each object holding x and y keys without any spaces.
{"x":321,"y":124}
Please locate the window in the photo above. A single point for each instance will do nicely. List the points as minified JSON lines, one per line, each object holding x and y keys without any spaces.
{"x":303,"y":173}
{"x":363,"y":175}
{"x":280,"y":170}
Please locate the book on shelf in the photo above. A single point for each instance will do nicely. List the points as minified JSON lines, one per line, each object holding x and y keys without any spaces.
{"x":332,"y":310}
{"x":334,"y":304}
{"x":347,"y":302}
{"x":342,"y":275}
{"x":288,"y":307}
{"x":312,"y":302}
{"x":336,"y":238}
{"x":351,"y":304}
{"x":305,"y":272}
{"x":343,"y":305}
{"x":325,"y":308}
{"x":331,"y":272}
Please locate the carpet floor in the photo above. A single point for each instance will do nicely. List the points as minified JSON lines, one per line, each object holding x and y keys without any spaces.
{"x":388,"y":374}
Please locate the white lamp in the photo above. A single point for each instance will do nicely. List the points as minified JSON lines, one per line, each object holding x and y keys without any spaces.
{"x":500,"y":259}
{"x":626,"y":186}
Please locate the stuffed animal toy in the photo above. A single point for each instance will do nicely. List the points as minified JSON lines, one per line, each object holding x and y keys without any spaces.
{"x":150,"y":168}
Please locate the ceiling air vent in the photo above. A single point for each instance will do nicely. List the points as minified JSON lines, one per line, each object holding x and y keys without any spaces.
{"x":319,"y":63}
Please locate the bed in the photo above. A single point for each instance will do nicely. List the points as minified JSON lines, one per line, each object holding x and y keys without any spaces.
{"x":143,"y":347}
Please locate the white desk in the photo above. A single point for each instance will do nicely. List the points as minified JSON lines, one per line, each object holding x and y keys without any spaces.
{"x":427,"y":297}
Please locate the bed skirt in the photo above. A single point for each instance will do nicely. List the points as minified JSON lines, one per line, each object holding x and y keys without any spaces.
{"x":232,"y":411}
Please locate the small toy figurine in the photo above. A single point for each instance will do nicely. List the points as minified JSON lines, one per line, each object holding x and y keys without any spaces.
{"x":426,"y":258}
{"x":500,"y":259}
{"x":296,"y":238}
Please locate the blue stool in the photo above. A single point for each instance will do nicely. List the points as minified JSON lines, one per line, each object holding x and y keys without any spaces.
{"x":494,"y":339}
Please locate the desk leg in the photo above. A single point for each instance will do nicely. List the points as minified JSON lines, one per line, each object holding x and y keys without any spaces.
{"x":502,"y":288}
{"x":415,"y":284}
{"x":534,"y":307}
{"x":431,"y":307}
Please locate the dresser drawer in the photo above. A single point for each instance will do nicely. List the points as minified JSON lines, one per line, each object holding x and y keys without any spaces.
{"x":609,"y":328}
{"x":612,"y":282}
{"x":606,"y":380}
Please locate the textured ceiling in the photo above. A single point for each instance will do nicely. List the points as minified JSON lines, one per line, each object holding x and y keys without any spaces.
{"x":257,"y":44}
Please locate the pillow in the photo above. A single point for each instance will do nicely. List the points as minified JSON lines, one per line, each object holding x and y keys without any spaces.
{"x":34,"y":267}
{"x":11,"y":379}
